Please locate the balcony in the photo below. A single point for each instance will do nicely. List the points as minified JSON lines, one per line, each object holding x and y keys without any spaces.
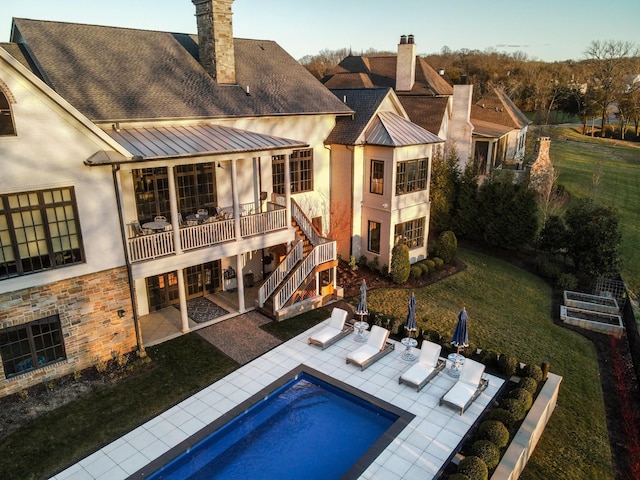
{"x":217,"y":230}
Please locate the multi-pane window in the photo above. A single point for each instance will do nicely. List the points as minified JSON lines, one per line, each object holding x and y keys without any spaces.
{"x":377,"y":177}
{"x":38,"y":231}
{"x":411,"y":176}
{"x":301,"y":171}
{"x":373,"y":240}
{"x":6,"y":119}
{"x":196,"y":187}
{"x":410,"y":233}
{"x":152,"y":193}
{"x":30,"y":346}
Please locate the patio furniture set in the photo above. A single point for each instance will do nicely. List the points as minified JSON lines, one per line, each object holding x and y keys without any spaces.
{"x":161,"y":224}
{"x":470,"y":381}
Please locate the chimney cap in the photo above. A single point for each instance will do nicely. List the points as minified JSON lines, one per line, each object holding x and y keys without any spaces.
{"x":410,"y":39}
{"x":403,"y":39}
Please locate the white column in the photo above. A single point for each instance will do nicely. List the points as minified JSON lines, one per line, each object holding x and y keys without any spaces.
{"x":236,"y":200}
{"x":184,"y":316}
{"x":287,"y":186}
{"x":240,"y":278}
{"x":173,"y":208}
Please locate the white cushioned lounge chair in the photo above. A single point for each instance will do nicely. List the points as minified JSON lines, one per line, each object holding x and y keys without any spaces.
{"x":334,"y":331}
{"x":427,"y":367}
{"x":469,"y":386}
{"x":372,"y":351}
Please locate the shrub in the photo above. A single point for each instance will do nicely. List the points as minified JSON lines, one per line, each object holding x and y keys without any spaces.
{"x":494,"y":431}
{"x":447,"y":246}
{"x":489,"y":358}
{"x":503,"y":416}
{"x":439,"y":263}
{"x":424,"y":268}
{"x":507,"y":365}
{"x":487,"y":451}
{"x":534,"y":371}
{"x":374,"y":264}
{"x":567,"y":281}
{"x":432,"y":336}
{"x":458,"y":476}
{"x":431,"y":265}
{"x":400,"y":265}
{"x":474,"y":468}
{"x":529,"y":384}
{"x":523,"y":395}
{"x":515,"y":406}
{"x":362,"y":261}
{"x":353,"y":264}
{"x":415,"y":272}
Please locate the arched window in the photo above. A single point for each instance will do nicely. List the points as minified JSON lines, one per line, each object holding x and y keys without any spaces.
{"x":6,"y":119}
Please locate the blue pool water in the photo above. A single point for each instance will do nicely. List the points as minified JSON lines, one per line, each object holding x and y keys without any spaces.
{"x":306,"y":429}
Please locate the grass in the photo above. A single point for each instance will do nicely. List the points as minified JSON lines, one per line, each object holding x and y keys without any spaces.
{"x":509,"y":311}
{"x":62,"y":437}
{"x":576,"y":157}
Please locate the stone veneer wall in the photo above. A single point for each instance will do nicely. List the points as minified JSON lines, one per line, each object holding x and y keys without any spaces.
{"x":88,"y":309}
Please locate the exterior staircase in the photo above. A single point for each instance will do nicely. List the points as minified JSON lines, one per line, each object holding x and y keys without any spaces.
{"x":294,"y":280}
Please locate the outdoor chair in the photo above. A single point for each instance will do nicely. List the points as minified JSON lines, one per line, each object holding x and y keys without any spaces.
{"x":160,"y":218}
{"x":376,"y":347}
{"x":334,"y":331}
{"x":467,"y":388}
{"x":428,"y":366}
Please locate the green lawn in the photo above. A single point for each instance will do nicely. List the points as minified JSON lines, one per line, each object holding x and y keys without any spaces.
{"x":576,"y":157}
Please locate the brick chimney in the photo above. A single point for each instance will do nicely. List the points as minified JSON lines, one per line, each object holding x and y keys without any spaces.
{"x":215,"y":39}
{"x":406,"y":64}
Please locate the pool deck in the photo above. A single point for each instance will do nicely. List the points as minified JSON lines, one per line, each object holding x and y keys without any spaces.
{"x":418,"y":452}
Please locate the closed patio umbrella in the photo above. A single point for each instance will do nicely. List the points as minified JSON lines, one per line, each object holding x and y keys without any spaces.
{"x":411,"y":315}
{"x":460,"y":335}
{"x":361,"y":309}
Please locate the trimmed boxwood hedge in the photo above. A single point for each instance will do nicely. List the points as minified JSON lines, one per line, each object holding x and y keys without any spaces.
{"x":487,"y":451}
{"x":529,"y":384}
{"x":494,"y":431}
{"x":515,"y":406}
{"x":533,"y":371}
{"x":523,"y":395}
{"x":502,"y":415}
{"x":474,"y":468}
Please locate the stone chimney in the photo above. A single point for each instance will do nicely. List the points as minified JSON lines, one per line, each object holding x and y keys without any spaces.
{"x":406,"y":64}
{"x":541,"y":174}
{"x":215,"y":39}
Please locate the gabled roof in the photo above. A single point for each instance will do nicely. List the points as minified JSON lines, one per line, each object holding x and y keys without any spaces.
{"x":374,"y":127}
{"x":117,"y":74}
{"x":151,"y":143}
{"x":381,"y":71}
{"x":428,"y":112}
{"x":489,"y":130}
{"x":496,"y":107}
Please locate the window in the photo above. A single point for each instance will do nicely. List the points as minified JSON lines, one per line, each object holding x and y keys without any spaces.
{"x":31,"y":346}
{"x":377,"y":177}
{"x":410,"y":233}
{"x":301,"y":171}
{"x":411,"y":176}
{"x":196,"y":187}
{"x":38,"y":231}
{"x":373,"y":241}
{"x":6,"y":119}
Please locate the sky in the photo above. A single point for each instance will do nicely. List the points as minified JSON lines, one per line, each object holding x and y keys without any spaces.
{"x":547,"y":30}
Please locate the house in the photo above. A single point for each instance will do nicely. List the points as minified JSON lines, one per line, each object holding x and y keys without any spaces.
{"x":65,"y":298}
{"x":499,"y":132}
{"x":380,"y":176}
{"x":166,"y":156}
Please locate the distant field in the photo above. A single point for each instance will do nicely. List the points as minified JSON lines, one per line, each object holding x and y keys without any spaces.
{"x":576,"y":157}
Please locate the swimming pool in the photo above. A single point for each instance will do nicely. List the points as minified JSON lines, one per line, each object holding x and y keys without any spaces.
{"x":305,"y":425}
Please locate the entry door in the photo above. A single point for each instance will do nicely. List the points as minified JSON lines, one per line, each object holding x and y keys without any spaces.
{"x":162,"y":291}
{"x":205,"y":278}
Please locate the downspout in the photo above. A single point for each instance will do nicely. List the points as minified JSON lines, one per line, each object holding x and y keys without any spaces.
{"x":136,"y":322}
{"x":351,"y":164}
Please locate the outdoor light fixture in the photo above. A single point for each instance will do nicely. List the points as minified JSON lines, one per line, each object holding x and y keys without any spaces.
{"x":121,"y":313}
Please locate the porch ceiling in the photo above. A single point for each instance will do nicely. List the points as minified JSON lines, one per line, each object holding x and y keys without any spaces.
{"x":149,"y":143}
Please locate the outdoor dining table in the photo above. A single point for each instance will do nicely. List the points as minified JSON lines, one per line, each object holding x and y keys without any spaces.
{"x":198,"y":217}
{"x":156,"y":225}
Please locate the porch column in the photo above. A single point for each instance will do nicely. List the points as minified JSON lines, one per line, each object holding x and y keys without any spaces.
{"x":287,"y":186}
{"x":184,"y":316}
{"x":240,"y":279}
{"x":173,"y":208}
{"x":317,"y":283}
{"x":236,"y":201}
{"x":335,"y":277}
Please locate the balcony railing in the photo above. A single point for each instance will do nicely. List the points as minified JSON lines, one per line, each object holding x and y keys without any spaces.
{"x":146,"y":247}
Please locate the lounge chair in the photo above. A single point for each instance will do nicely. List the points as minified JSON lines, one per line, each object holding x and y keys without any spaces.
{"x":372,"y":351}
{"x":428,"y":366}
{"x":334,"y":331}
{"x":467,"y":388}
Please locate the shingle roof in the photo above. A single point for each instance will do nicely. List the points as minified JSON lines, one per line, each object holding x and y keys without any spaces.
{"x":428,"y":112}
{"x":117,"y":74}
{"x":496,"y":107}
{"x":364,"y":102}
{"x":489,"y":129}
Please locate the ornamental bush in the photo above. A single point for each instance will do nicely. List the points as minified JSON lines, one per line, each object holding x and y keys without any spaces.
{"x":529,"y":384}
{"x":487,"y":451}
{"x":524,"y":395}
{"x":447,"y":246}
{"x":415,"y":272}
{"x":515,"y":406}
{"x":458,"y":476}
{"x":424,"y":268}
{"x":534,"y":371}
{"x":474,"y":468}
{"x":431,"y":265}
{"x":489,"y":358}
{"x":507,"y":365}
{"x":439,"y":263}
{"x":502,"y":415}
{"x":494,"y":431}
{"x":400,"y":265}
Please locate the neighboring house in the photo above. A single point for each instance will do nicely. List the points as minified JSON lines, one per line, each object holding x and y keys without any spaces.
{"x":184,"y":182}
{"x":499,"y":133}
{"x":380,"y":176}
{"x":427,"y":98}
{"x":65,"y":299}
